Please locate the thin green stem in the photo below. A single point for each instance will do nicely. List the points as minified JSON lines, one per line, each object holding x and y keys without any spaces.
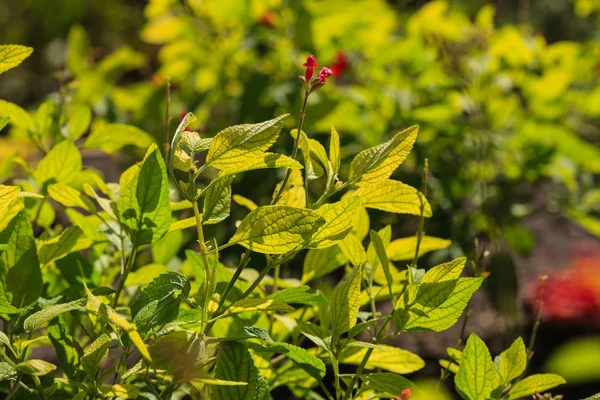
{"x":422,"y":198}
{"x":273,"y":290}
{"x":288,"y":172}
{"x":123,"y":278}
{"x":536,"y":323}
{"x":167,"y":117}
{"x":15,"y":388}
{"x":203,"y":251}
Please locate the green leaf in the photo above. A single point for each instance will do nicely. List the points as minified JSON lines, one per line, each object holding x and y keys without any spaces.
{"x":393,"y":196}
{"x":339,"y":219}
{"x":180,"y":353}
{"x":376,"y":164}
{"x":144,"y":201}
{"x":298,"y":295}
{"x":18,"y":116}
{"x":345,"y":302}
{"x":245,"y":202}
{"x":60,"y":165}
{"x":260,"y":161}
{"x":594,"y":397}
{"x":320,"y":262}
{"x":477,"y":376}
{"x":386,"y":382}
{"x":389,"y":358}
{"x":294,"y":193}
{"x":94,"y":354}
{"x":36,"y":320}
{"x":305,"y":360}
{"x":192,"y":142}
{"x":7,"y":371}
{"x":12,"y":55}
{"x":35,"y":367}
{"x":234,"y":363}
{"x":277,"y":229}
{"x":533,"y":384}
{"x":144,"y":275}
{"x":69,"y":197}
{"x":97,"y":306}
{"x":512,"y":362}
{"x":383,"y":260}
{"x":24,"y":278}
{"x":120,"y":391}
{"x":217,"y":201}
{"x":404,"y":249}
{"x":240,"y":144}
{"x":159,"y":302}
{"x":7,"y":195}
{"x":182,"y":224}
{"x":334,"y":152}
{"x":4,"y":340}
{"x":67,"y":349}
{"x":309,"y":148}
{"x":79,"y":121}
{"x":69,"y":241}
{"x":3,"y":122}
{"x":246,"y":305}
{"x":576,"y":360}
{"x":112,"y":137}
{"x":45,"y":118}
{"x":353,"y":250}
{"x":445,"y":272}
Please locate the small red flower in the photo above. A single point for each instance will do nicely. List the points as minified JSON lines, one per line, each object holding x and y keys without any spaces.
{"x":405,"y":394}
{"x":340,"y":65}
{"x":324,"y":74}
{"x":310,"y":64}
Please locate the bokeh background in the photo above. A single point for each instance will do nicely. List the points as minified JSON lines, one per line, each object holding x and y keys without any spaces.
{"x":506,"y":93}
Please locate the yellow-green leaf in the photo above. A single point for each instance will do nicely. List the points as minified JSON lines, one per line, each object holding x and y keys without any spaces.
{"x":394,"y":196}
{"x":339,"y":220}
{"x":12,"y":55}
{"x":18,"y":116}
{"x":334,"y":151}
{"x":69,"y":197}
{"x":217,"y":201}
{"x":69,"y":241}
{"x":320,"y":262}
{"x":7,"y":195}
{"x":112,"y":137}
{"x":345,"y":302}
{"x":533,"y":384}
{"x":245,"y":202}
{"x":404,"y":248}
{"x":254,"y":161}
{"x":377,"y":163}
{"x":388,"y":358}
{"x":182,"y":224}
{"x":35,"y":367}
{"x":120,"y":391}
{"x":477,"y":376}
{"x":277,"y":229}
{"x":60,"y":165}
{"x":353,"y":249}
{"x":94,"y":354}
{"x":246,"y":305}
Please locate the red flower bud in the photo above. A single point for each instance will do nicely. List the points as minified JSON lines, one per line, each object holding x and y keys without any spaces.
{"x":405,"y":394}
{"x":181,"y":117}
{"x":340,"y":65}
{"x":267,"y":19}
{"x":325,"y":72}
{"x":310,"y":64}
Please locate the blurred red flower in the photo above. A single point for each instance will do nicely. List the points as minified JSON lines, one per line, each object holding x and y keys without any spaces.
{"x":267,"y":19}
{"x":324,"y":74}
{"x":340,"y":65}
{"x":310,"y":64}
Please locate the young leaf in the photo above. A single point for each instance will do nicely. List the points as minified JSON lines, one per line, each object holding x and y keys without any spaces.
{"x":245,"y":202}
{"x":69,"y":197}
{"x":376,"y":164}
{"x":7,"y":371}
{"x":387,"y":382}
{"x":393,"y":196}
{"x":294,"y":194}
{"x":253,"y":161}
{"x":334,"y":152}
{"x":97,"y":306}
{"x":345,"y":302}
{"x":339,"y":219}
{"x":7,"y":195}
{"x":512,"y":362}
{"x":12,"y":55}
{"x":305,"y":360}
{"x":445,"y":272}
{"x":277,"y":229}
{"x":94,"y":354}
{"x":120,"y":391}
{"x":69,"y":241}
{"x":239,"y":144}
{"x":144,"y":201}
{"x":35,"y":367}
{"x":35,"y":321}
{"x":112,"y":137}
{"x":298,"y":295}
{"x":60,"y":164}
{"x":217,"y":201}
{"x":234,"y":363}
{"x":383,"y":260}
{"x":3,"y":122}
{"x":533,"y":384}
{"x":24,"y":278}
{"x":477,"y":376}
{"x":246,"y":305}
{"x":18,"y":116}
{"x":320,"y":262}
{"x":353,"y":250}
{"x":80,"y":119}
{"x":404,"y":249}
{"x":179,"y":353}
{"x":389,"y":358}
{"x":159,"y":302}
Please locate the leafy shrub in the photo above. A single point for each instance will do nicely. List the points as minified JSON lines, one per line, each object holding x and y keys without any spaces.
{"x":197,"y":326}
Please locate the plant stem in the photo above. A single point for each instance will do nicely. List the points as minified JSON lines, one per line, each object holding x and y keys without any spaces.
{"x":273,"y":290}
{"x":536,"y":324}
{"x":203,"y":251}
{"x":167,"y":117}
{"x":288,"y":172}
{"x":126,"y":271}
{"x":336,"y":372}
{"x":15,"y":388}
{"x":421,"y":220}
